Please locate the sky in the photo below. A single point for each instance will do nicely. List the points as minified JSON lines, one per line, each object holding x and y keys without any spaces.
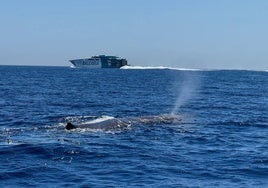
{"x":207,"y":34}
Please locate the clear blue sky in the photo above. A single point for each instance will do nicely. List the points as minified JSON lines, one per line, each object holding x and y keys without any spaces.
{"x":179,"y":33}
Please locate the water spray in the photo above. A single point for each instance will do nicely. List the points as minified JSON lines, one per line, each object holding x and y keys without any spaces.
{"x":186,"y":90}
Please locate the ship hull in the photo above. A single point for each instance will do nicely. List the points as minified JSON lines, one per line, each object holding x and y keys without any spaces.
{"x":101,"y":61}
{"x":86,"y":63}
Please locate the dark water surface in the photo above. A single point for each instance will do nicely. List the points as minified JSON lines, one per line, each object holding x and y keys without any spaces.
{"x":221,"y":141}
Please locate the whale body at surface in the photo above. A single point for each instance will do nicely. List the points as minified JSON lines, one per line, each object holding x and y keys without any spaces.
{"x":109,"y":123}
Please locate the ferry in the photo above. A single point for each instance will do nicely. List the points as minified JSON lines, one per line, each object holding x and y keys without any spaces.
{"x":100,"y":61}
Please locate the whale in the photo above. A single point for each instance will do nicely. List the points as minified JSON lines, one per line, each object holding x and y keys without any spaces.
{"x":109,"y":123}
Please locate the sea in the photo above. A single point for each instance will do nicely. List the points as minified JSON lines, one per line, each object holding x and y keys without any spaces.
{"x":220,"y":141}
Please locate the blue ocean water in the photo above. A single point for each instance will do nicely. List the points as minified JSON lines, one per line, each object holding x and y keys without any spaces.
{"x":221,"y":141}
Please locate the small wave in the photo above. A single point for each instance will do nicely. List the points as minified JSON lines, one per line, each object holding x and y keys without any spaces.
{"x":73,"y":67}
{"x":157,"y":67}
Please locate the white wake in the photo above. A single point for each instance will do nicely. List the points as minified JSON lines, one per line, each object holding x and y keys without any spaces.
{"x":157,"y":67}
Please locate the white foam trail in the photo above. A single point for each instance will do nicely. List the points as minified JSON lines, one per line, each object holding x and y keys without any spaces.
{"x":186,"y":91}
{"x":159,"y":67}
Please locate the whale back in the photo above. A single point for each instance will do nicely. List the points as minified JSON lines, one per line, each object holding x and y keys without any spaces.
{"x":115,"y":123}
